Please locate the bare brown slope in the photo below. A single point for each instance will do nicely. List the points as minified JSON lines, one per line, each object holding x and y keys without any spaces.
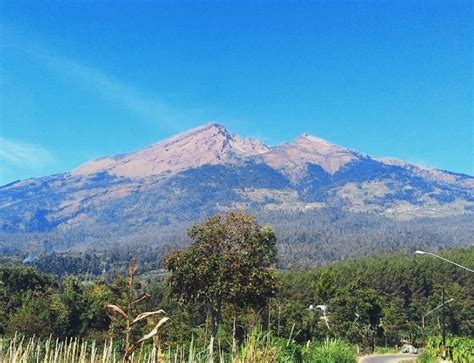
{"x":209,"y":144}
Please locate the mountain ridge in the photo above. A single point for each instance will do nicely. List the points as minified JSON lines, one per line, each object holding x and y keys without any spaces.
{"x":324,"y":153}
{"x":208,"y":170}
{"x":207,"y":144}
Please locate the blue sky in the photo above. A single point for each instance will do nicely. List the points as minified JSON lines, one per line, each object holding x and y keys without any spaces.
{"x":80,"y":80}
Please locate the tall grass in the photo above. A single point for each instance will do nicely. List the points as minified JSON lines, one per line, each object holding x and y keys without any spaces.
{"x":74,"y":350}
{"x":331,"y":351}
{"x":259,"y":347}
{"x":24,"y":350}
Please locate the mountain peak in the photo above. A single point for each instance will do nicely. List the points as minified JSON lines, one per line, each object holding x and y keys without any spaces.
{"x":206,"y":131}
{"x":211,"y":144}
{"x":308,"y":139}
{"x":216,"y":125}
{"x":294,"y":156}
{"x":210,"y":126}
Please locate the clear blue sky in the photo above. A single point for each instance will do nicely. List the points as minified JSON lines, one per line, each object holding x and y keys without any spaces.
{"x":86,"y":79}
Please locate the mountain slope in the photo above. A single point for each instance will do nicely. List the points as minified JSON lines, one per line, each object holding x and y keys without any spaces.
{"x":207,"y":170}
{"x":208,"y":144}
{"x":294,"y":157}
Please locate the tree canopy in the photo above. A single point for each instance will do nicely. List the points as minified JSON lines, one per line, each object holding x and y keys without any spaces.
{"x":229,"y":263}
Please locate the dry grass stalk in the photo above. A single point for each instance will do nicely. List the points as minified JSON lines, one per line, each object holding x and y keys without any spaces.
{"x":115,"y":311}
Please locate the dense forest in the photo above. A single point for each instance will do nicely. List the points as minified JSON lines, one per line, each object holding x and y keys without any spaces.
{"x":376,"y":300}
{"x":304,"y":240}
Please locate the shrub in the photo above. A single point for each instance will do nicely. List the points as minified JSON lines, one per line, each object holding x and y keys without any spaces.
{"x":330,"y":351}
{"x":263,"y":347}
{"x":459,"y":349}
{"x":426,"y":357}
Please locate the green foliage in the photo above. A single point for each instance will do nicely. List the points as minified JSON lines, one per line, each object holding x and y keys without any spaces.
{"x":260,"y":347}
{"x":397,"y":289}
{"x":19,"y":286}
{"x":356,"y":315}
{"x":394,"y":320}
{"x":40,"y":315}
{"x":426,"y":357}
{"x":263,"y":347}
{"x":229,"y":263}
{"x":93,"y":316}
{"x":458,"y":349}
{"x":386,"y":350}
{"x":325,"y":287}
{"x":35,"y":303}
{"x":388,"y":293}
{"x":330,"y":351}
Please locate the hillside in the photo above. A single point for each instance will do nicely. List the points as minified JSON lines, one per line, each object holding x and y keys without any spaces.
{"x":353,"y":201}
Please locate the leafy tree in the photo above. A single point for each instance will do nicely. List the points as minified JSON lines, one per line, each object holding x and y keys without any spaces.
{"x":94,"y":319}
{"x":15,"y":283}
{"x":40,"y":315}
{"x":228,"y":263}
{"x":356,"y":314}
{"x":394,"y":319}
{"x":325,"y":287}
{"x":72,"y":294}
{"x":358,"y":292}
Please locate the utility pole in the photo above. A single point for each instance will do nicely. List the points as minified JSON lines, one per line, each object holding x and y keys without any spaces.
{"x":423,"y":316}
{"x":423,"y":323}
{"x":444,"y":323}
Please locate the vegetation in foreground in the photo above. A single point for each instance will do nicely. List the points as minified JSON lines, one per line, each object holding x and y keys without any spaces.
{"x":260,"y":348}
{"x":223,"y":290}
{"x":459,"y":349}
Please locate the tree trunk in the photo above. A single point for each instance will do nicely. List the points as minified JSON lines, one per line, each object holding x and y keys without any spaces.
{"x":215,"y":320}
{"x":234,"y":339}
{"x":211,"y":350}
{"x":215,"y":313}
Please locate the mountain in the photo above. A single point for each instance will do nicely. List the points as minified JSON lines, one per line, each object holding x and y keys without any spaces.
{"x":210,"y":144}
{"x":153,"y":194}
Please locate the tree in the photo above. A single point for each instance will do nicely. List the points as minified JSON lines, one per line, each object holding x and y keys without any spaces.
{"x":72,"y":296}
{"x":228,"y":263}
{"x":394,"y":320}
{"x":325,"y":287}
{"x":40,"y":315}
{"x":356,"y":313}
{"x":16,"y":283}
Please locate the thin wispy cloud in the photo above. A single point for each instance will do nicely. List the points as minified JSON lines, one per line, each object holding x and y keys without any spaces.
{"x":24,"y":155}
{"x":143,"y":105}
{"x":108,"y":87}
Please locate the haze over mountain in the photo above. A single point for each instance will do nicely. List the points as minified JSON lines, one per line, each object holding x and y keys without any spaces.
{"x":152,"y":194}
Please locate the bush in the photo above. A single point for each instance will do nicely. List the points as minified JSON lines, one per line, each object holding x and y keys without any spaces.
{"x":426,"y":357}
{"x":264,"y":347}
{"x":39,"y":315}
{"x":459,"y":349}
{"x":330,"y":351}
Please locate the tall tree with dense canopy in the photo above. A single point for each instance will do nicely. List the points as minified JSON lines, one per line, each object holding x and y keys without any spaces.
{"x":229,"y":263}
{"x":394,"y":320}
